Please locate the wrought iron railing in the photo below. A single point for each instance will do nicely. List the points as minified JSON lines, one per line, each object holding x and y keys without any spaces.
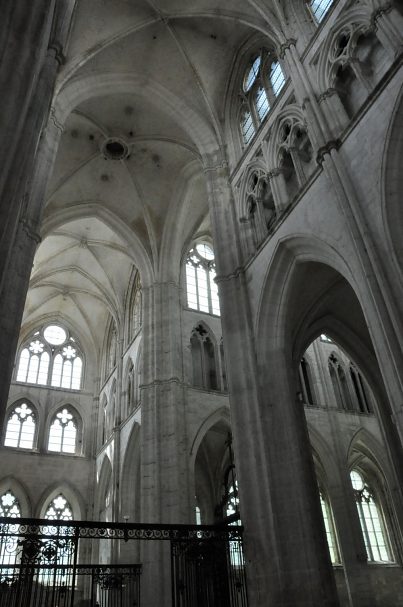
{"x":47,"y":563}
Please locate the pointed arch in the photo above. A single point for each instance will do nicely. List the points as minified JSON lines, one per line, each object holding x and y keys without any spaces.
{"x":70,"y":493}
{"x":205,"y":356}
{"x":22,"y":422}
{"x":16,"y":487}
{"x":130,"y":477}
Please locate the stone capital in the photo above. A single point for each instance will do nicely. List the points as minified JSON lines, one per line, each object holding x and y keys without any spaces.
{"x":333,"y":144}
{"x":285,"y":46}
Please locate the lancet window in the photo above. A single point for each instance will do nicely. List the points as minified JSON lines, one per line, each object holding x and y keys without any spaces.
{"x":372,"y":521}
{"x":63,"y":432}
{"x":204,"y":360}
{"x":319,"y":8}
{"x":201,"y":289}
{"x":262,"y":83}
{"x":329,"y":528}
{"x":21,"y":425}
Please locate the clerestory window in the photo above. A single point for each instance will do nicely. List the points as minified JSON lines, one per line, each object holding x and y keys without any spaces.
{"x":372,"y":521}
{"x":319,"y":8}
{"x":21,"y":424}
{"x":51,"y":357}
{"x":201,"y":289}
{"x":262,"y":83}
{"x":63,"y":432}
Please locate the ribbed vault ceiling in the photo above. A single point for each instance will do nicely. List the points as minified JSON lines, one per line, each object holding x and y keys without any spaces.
{"x":154,"y":74}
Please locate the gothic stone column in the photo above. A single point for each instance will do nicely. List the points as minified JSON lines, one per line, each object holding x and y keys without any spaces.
{"x":166,"y":497}
{"x":29,"y":69}
{"x":287,"y":557}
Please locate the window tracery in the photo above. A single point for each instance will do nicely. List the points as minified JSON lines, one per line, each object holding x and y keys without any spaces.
{"x":9,"y":507}
{"x":201,"y":289}
{"x":260,"y":208}
{"x":372,"y":521}
{"x":204,"y":361}
{"x":59,"y":509}
{"x":262,"y":83}
{"x":63,"y":432}
{"x":21,"y":426}
{"x":52,"y":357}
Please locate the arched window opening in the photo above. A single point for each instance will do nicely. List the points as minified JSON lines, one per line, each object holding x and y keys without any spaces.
{"x":104,"y":432}
{"x":130,"y":388}
{"x":372,"y":521}
{"x":262,"y":82}
{"x":306,"y":382}
{"x":63,"y":432}
{"x":137,"y":312}
{"x":329,"y":528}
{"x":344,"y":388}
{"x":319,"y":8}
{"x":339,"y":383}
{"x":295,"y":155}
{"x":198,"y":516}
{"x":201,"y":289}
{"x":260,"y":209}
{"x":51,"y":356}
{"x":21,"y":424}
{"x":289,"y":173}
{"x":9,"y":507}
{"x":59,"y":509}
{"x":134,"y":308}
{"x":204,"y":364}
{"x":247,"y":125}
{"x":303,"y":157}
{"x":357,"y":61}
{"x":111,"y":349}
{"x":359,"y":390}
{"x":197,"y":360}
{"x":276,"y":77}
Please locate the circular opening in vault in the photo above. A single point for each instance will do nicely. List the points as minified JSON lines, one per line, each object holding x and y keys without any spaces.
{"x":116,"y":149}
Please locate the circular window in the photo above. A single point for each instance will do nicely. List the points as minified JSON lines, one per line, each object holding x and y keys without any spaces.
{"x":55,"y":335}
{"x":205,"y":251}
{"x":115,"y":149}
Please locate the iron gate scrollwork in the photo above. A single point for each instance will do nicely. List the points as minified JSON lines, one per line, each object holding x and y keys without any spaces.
{"x":208,"y":569}
{"x":47,"y":564}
